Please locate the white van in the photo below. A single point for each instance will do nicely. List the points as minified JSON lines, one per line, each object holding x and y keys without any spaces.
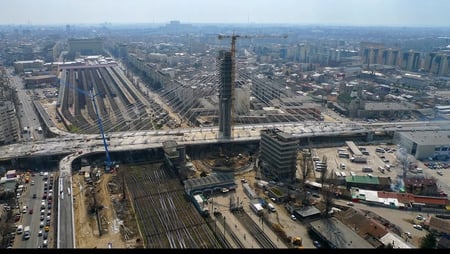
{"x":271,"y":207}
{"x":19,"y":229}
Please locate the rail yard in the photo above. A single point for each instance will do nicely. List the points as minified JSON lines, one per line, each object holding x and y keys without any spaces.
{"x":121,"y":106}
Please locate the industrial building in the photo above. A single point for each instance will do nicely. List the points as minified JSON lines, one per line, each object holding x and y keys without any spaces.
{"x":21,"y":67}
{"x":424,"y":144}
{"x":92,"y":46}
{"x":338,"y":235}
{"x":368,"y":182}
{"x":278,"y":155}
{"x":40,"y":80}
{"x":209,"y":184}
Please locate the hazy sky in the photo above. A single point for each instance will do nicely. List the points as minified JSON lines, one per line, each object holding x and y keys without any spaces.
{"x":326,"y":12}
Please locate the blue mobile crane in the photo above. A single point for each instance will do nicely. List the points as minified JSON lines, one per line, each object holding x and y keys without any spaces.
{"x":109,"y":164}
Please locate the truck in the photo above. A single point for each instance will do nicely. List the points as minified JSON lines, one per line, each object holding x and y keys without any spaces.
{"x":358,"y":159}
{"x":26,"y":232}
{"x":256,"y":207}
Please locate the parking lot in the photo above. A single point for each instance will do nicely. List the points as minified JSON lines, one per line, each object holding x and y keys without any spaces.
{"x":383,"y":164}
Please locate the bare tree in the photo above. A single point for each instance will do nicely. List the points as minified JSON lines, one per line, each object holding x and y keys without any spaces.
{"x":327,"y":188}
{"x":305,"y":167}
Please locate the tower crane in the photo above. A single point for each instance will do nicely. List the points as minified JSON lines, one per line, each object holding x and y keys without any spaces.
{"x":109,"y":164}
{"x":233,"y":38}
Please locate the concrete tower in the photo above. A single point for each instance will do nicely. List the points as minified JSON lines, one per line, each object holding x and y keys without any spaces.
{"x":226,"y":87}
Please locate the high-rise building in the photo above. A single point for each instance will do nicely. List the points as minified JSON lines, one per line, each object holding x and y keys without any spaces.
{"x":437,"y":63}
{"x":278,"y":155}
{"x":410,"y":61}
{"x":390,"y":57}
{"x":371,"y":53}
{"x":226,"y":87}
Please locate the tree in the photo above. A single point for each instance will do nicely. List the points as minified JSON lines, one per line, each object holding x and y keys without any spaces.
{"x":327,"y":188}
{"x":305,"y":162}
{"x":428,"y":242}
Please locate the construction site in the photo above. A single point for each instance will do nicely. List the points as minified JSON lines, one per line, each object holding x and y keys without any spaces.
{"x":145,"y":205}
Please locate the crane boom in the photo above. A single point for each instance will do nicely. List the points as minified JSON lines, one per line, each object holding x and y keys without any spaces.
{"x":108,"y":163}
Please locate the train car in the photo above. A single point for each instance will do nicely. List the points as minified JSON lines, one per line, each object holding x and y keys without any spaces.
{"x":201,"y":203}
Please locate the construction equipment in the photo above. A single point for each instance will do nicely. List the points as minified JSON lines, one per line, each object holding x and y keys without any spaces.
{"x":297,"y":241}
{"x":109,"y":164}
{"x":233,"y":38}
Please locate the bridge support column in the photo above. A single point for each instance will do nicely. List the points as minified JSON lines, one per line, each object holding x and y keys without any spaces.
{"x":369,"y":136}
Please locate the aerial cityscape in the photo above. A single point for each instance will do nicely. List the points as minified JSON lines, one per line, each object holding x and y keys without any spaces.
{"x":186,"y":131}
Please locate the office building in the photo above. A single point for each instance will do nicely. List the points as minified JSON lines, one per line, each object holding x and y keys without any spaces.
{"x":278,"y":155}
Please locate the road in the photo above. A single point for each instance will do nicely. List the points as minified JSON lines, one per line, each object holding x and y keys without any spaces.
{"x":33,"y":220}
{"x":66,"y":237}
{"x":27,"y":115}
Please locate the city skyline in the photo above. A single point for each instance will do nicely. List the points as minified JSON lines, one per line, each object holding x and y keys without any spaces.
{"x":408,"y":13}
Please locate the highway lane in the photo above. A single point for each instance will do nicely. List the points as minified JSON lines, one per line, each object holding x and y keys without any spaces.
{"x":27,"y":115}
{"x":65,"y":220}
{"x":32,"y":220}
{"x":153,"y":139}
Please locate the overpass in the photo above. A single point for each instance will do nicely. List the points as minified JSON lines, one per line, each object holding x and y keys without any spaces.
{"x":67,"y":143}
{"x":72,"y":145}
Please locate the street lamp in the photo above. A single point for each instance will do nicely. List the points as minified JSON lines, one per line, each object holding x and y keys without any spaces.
{"x":224,"y":218}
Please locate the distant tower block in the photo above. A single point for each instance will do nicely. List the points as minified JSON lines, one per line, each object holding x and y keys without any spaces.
{"x":226,"y":86}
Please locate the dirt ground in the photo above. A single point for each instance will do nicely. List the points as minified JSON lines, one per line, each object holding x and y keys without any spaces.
{"x":86,"y":226}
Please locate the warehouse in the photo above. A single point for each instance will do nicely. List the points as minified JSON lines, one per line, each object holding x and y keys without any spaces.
{"x":424,"y":144}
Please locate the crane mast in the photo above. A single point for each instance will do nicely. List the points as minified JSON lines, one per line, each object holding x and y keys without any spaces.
{"x":233,"y":38}
{"x":108,"y":162}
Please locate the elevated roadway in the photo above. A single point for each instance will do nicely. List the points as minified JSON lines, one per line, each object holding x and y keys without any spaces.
{"x":68,"y":143}
{"x":72,"y":144}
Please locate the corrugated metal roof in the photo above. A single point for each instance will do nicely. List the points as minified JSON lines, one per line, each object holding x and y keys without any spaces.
{"x":362,"y":179}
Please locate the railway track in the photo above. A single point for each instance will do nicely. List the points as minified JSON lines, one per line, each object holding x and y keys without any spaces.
{"x":220,"y":219}
{"x":261,"y":238}
{"x":165,"y":217}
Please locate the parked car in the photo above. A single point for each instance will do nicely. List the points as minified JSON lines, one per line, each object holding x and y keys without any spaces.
{"x":293,"y":217}
{"x":418,"y":227}
{"x":317,"y":244}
